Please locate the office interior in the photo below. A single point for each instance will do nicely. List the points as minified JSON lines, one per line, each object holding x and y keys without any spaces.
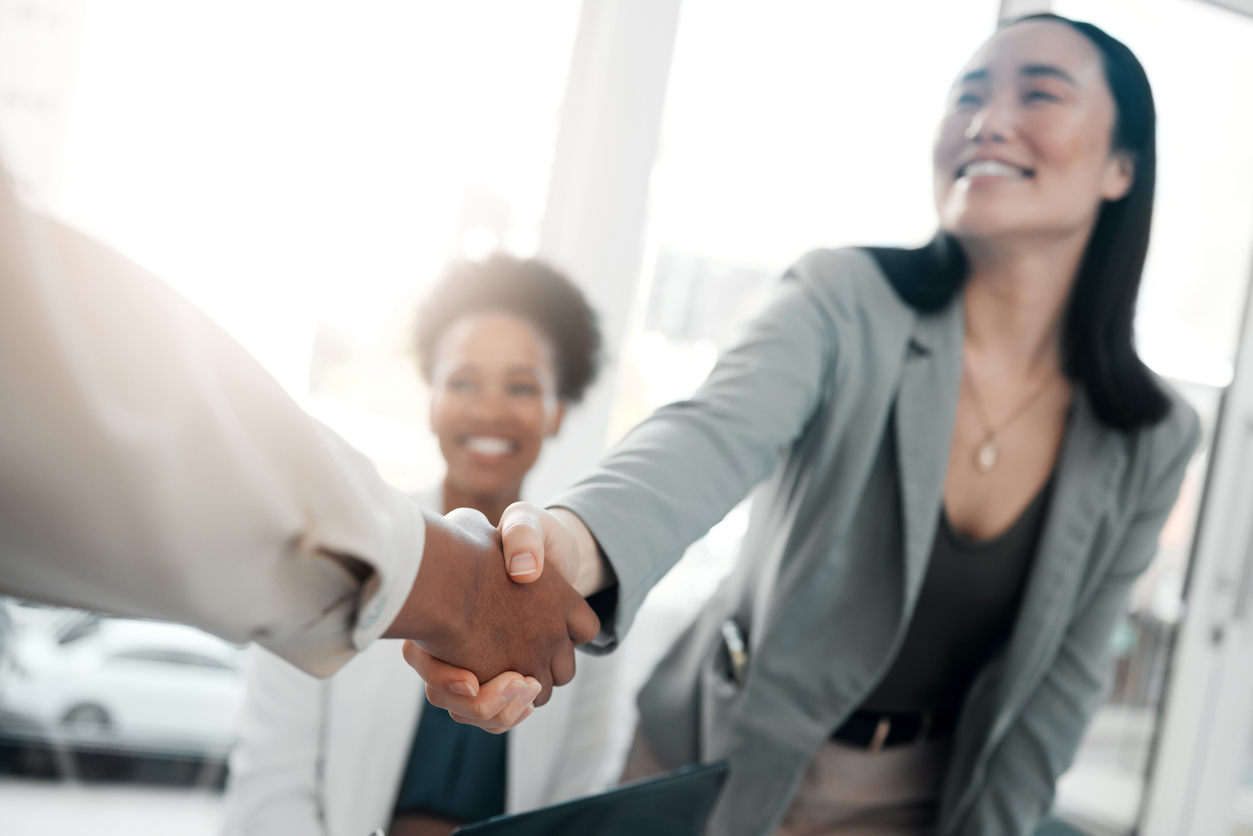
{"x":303,"y":171}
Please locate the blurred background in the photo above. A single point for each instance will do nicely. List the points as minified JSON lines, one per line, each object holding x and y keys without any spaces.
{"x":302,"y":170}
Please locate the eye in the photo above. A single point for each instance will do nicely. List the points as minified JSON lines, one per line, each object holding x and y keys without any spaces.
{"x":523,"y":390}
{"x":461,"y":385}
{"x":1040,"y":96}
{"x":967,"y":100}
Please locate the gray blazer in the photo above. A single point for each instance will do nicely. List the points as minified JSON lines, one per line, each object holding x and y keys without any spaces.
{"x":838,"y":545}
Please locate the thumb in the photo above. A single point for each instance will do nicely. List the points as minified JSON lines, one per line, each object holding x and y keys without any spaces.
{"x":522,"y":536}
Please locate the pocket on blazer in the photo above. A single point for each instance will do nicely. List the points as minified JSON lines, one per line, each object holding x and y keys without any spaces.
{"x":731,"y":658}
{"x":719,"y":690}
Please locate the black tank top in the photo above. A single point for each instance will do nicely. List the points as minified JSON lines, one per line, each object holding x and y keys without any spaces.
{"x":965,"y":611}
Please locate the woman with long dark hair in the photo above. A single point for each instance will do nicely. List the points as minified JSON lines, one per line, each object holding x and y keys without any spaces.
{"x":962,"y":466}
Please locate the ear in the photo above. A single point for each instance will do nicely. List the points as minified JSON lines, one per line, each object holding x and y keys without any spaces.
{"x":555,"y":418}
{"x":1119,"y":176}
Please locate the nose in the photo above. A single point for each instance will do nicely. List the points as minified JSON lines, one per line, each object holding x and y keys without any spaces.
{"x":991,"y":124}
{"x":488,"y":405}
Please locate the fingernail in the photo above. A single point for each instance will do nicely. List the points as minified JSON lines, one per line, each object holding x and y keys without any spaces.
{"x":533,"y":691}
{"x":463,"y":689}
{"x":514,"y":690}
{"x":523,"y":563}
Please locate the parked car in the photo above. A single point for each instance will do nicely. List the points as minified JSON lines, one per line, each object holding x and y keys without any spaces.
{"x":119,"y":684}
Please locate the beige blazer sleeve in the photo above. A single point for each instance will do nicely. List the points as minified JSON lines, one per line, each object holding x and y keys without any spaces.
{"x":149,"y":467}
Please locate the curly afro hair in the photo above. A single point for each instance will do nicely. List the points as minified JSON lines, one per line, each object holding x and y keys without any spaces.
{"x":526,"y":288}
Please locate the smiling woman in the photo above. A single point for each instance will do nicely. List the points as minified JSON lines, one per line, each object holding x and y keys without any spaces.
{"x":964,"y":467}
{"x":504,"y":344}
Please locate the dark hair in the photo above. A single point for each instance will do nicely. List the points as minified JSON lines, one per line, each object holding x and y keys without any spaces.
{"x":526,"y":288}
{"x":1097,"y":342}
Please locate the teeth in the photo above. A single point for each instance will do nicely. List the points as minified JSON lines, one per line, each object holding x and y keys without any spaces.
{"x":991,"y":168}
{"x":486,"y":445}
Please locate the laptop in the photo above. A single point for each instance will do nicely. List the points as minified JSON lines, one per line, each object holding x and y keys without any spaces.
{"x":673,"y":804}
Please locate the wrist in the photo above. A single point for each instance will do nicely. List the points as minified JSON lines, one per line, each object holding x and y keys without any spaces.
{"x":591,"y":574}
{"x":427,"y":617}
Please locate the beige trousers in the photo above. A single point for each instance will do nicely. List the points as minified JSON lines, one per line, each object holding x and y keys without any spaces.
{"x":848,"y":791}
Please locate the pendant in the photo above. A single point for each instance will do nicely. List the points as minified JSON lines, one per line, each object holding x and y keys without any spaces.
{"x":986,"y":456}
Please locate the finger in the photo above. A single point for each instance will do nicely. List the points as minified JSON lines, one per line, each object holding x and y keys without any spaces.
{"x":512,"y":714}
{"x":471,"y":519}
{"x":527,"y":712}
{"x":522,"y":531}
{"x":490,"y":728}
{"x":563,"y":664}
{"x":441,"y":675}
{"x":491,"y":699}
{"x":494,"y":697}
{"x":546,"y":688}
{"x":509,"y":716}
{"x":582,"y":622}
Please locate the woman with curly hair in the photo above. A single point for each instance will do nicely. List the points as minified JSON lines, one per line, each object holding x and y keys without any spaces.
{"x":505,"y":344}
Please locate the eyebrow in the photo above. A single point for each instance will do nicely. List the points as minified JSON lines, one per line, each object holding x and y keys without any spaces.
{"x":1047,"y":71}
{"x":1028,"y":71}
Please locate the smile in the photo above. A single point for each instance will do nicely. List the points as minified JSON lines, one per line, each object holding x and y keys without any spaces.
{"x":993,"y":168}
{"x":489,"y":445}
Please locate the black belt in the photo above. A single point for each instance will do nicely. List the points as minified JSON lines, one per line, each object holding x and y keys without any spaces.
{"x":873,"y":730}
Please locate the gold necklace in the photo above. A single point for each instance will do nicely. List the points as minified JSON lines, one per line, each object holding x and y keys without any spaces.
{"x":988,"y":453}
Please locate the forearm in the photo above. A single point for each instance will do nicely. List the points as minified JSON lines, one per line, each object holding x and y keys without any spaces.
{"x":150,"y":467}
{"x":426,"y":619}
{"x":680,"y":471}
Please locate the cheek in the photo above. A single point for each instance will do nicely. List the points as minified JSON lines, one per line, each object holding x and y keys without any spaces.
{"x":949,"y":140}
{"x":445,"y":418}
{"x":533,"y":422}
{"x":1071,"y":146}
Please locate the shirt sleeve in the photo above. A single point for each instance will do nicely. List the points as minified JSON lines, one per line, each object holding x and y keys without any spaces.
{"x":150,"y":467}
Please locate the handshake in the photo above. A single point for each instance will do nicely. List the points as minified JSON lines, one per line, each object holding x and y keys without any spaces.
{"x":489,"y":631}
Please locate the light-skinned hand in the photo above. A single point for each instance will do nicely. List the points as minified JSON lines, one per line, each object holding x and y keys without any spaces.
{"x":534,"y":536}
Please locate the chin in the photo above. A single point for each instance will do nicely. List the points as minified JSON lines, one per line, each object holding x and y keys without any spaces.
{"x":482,"y":485}
{"x":979,"y":222}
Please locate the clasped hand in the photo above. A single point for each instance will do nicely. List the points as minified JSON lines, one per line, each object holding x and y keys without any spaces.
{"x":491,"y":648}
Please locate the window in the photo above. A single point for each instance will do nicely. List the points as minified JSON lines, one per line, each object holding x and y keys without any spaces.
{"x":299,"y":171}
{"x":788,"y":126}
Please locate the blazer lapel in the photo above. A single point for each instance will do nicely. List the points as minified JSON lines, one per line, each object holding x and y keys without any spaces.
{"x":1088,"y":467}
{"x":926,"y":409}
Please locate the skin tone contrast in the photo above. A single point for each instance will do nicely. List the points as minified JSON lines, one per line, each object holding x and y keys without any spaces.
{"x":493,"y":404}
